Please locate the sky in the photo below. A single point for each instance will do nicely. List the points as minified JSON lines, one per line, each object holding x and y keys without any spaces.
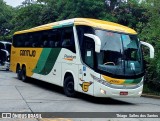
{"x":13,"y":3}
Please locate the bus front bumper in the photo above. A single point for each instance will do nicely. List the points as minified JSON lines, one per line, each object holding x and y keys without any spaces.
{"x":6,"y":66}
{"x":101,"y":90}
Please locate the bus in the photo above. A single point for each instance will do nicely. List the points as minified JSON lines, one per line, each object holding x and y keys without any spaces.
{"x":5,"y":45}
{"x":91,"y":56}
{"x":5,"y":49}
{"x":4,"y":60}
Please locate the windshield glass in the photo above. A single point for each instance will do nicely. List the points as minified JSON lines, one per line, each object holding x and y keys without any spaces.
{"x":120,"y":54}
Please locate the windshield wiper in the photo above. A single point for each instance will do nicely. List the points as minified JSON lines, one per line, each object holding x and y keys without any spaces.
{"x":104,"y":45}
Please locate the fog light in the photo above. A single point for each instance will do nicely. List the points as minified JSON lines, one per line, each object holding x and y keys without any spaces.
{"x":139,"y":93}
{"x":103,"y":91}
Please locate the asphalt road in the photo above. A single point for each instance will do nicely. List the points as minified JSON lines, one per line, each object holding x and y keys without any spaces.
{"x":38,"y":96}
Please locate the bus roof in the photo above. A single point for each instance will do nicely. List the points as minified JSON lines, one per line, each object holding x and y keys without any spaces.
{"x":82,"y":21}
{"x":5,"y":42}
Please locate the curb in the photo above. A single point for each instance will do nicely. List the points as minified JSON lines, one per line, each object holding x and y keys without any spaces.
{"x":151,"y":96}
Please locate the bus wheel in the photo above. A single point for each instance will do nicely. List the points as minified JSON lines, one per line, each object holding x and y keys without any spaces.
{"x":7,"y":69}
{"x":18,"y":71}
{"x":68,"y":86}
{"x":23,"y":74}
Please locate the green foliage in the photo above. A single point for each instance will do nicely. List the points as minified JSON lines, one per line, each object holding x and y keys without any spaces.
{"x":77,"y":8}
{"x":27,"y":17}
{"x":152,"y":27}
{"x":130,"y":14}
{"x":151,"y":33}
{"x":5,"y":17}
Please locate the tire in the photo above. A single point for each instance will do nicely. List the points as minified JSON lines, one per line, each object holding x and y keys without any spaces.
{"x":68,"y":87}
{"x":7,"y":69}
{"x":23,"y":74}
{"x":18,"y":71}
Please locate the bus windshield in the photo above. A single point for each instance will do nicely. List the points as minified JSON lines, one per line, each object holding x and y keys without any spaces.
{"x":120,"y":54}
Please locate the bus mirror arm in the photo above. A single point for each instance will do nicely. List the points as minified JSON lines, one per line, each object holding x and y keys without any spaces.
{"x":96,"y":40}
{"x":151,"y":48}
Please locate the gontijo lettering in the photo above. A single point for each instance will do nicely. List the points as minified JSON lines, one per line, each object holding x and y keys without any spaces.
{"x":31,"y":53}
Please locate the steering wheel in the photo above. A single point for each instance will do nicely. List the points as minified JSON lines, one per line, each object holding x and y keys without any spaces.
{"x":109,"y":63}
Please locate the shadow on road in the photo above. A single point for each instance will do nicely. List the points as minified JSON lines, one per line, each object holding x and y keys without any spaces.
{"x":80,"y":96}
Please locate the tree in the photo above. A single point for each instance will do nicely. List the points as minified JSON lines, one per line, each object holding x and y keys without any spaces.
{"x":151,"y":34}
{"x":130,"y":13}
{"x":78,"y":8}
{"x":27,"y":16}
{"x":6,"y":14}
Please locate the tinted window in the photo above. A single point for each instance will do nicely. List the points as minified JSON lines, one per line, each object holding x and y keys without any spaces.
{"x":86,"y":45}
{"x":46,"y":39}
{"x":120,"y":54}
{"x":88,"y":51}
{"x":54,"y":38}
{"x":68,"y":39}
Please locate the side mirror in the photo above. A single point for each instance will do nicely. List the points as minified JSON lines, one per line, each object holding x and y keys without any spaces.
{"x":96,"y":40}
{"x":151,"y":48}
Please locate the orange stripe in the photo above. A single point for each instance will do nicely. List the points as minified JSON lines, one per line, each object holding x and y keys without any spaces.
{"x":69,"y":59}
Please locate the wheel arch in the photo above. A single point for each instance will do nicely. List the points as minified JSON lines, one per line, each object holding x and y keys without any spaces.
{"x":66,"y":74}
{"x":23,"y":65}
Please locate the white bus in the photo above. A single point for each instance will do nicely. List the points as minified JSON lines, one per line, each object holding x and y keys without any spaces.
{"x":95,"y":57}
{"x":5,"y":45}
{"x":5,"y":49}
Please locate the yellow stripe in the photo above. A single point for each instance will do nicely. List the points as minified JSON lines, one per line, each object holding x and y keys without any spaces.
{"x":85,"y":21}
{"x":113,"y":80}
{"x":104,"y":25}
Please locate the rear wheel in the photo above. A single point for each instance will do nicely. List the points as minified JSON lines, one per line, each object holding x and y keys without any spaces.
{"x":18,"y":71}
{"x":7,"y":69}
{"x":68,"y":87}
{"x":23,"y":74}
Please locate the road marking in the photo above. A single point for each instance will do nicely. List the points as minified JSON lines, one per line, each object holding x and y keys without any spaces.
{"x":55,"y":119}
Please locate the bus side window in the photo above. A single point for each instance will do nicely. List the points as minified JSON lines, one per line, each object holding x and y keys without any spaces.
{"x":45,"y":41}
{"x":55,"y":38}
{"x":86,"y":45}
{"x":88,"y":52}
{"x":25,"y":40}
{"x":68,"y":39}
{"x":18,"y":41}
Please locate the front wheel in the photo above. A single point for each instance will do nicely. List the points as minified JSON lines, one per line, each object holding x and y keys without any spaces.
{"x":68,"y":87}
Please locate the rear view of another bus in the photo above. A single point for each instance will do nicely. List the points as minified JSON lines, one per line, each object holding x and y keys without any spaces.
{"x":5,"y":49}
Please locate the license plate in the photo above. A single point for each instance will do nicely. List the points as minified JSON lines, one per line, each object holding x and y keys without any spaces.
{"x":123,"y":93}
